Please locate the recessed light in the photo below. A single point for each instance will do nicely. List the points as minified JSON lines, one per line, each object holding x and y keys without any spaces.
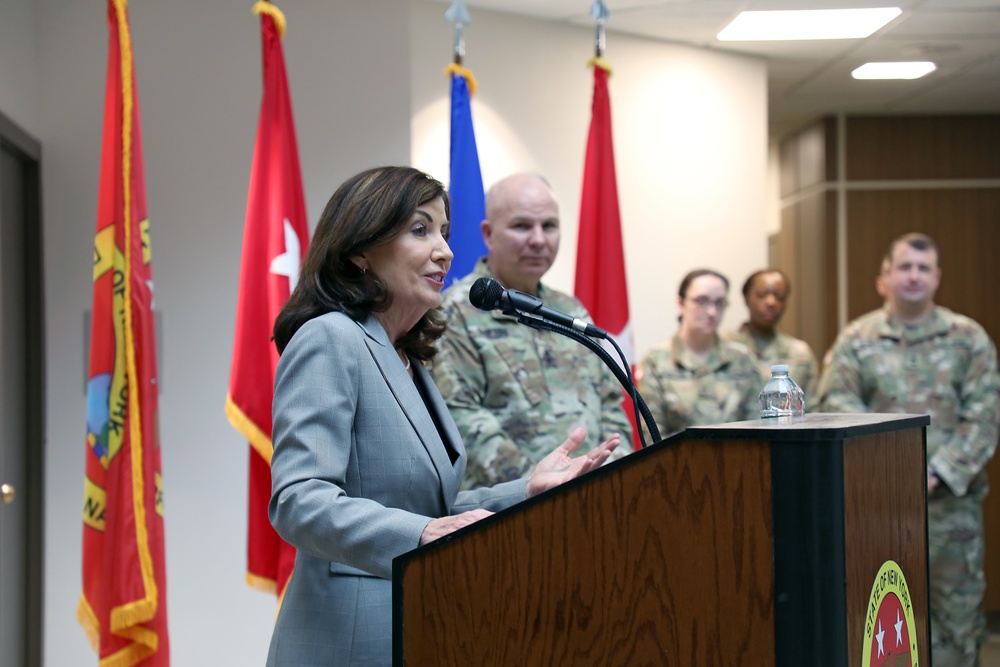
{"x":898,"y":70}
{"x":807,"y":24}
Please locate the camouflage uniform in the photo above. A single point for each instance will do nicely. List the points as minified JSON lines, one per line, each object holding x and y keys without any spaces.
{"x":782,"y":349}
{"x":681,"y":390}
{"x":517,"y":393}
{"x":947,"y":368}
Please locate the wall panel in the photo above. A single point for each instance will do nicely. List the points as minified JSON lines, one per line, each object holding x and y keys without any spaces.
{"x":933,"y":174}
{"x":923,"y":147}
{"x":964,"y":223}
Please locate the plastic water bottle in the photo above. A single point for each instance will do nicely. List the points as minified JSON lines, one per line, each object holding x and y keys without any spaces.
{"x":781,"y":397}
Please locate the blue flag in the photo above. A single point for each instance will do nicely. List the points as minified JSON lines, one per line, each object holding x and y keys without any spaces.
{"x":465,"y":185}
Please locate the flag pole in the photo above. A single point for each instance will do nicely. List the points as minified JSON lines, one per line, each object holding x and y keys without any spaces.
{"x":465,"y":182}
{"x":458,"y":16}
{"x":599,"y":12}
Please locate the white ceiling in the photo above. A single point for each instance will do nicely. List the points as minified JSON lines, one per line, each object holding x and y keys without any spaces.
{"x":808,"y":79}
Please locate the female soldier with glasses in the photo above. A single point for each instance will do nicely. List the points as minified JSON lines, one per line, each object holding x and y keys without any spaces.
{"x":696,"y":378}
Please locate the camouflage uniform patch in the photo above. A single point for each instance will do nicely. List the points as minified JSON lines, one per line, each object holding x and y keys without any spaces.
{"x":683,"y":391}
{"x":782,"y":349}
{"x":945,"y":368}
{"x":517,"y":393}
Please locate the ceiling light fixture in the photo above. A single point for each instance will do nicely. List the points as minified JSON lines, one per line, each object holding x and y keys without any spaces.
{"x":899,"y":70}
{"x":807,"y":24}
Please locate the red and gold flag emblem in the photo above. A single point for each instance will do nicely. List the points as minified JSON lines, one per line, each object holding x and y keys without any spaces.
{"x":123,"y":605}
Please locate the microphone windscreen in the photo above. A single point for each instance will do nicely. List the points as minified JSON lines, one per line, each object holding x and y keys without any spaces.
{"x":485,"y":294}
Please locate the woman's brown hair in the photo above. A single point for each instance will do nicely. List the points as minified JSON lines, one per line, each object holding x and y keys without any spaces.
{"x":368,"y":210}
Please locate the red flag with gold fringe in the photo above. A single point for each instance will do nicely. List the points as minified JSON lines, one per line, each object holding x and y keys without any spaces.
{"x":275,"y":238}
{"x":603,"y":292}
{"x":123,"y":607}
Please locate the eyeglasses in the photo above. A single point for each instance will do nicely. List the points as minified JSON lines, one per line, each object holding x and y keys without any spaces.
{"x":705,"y":303}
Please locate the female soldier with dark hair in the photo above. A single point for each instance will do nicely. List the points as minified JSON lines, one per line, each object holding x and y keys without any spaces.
{"x":695,"y":378}
{"x":766,"y":292}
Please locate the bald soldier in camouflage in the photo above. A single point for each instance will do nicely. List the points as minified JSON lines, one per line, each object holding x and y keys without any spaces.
{"x":516,"y":393}
{"x":916,"y":357}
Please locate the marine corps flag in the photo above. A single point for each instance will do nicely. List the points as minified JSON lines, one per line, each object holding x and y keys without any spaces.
{"x":603,"y":292}
{"x":275,"y":238}
{"x":123,"y":607}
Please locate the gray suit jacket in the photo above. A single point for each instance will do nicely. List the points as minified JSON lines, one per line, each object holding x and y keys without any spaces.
{"x":359,"y":469}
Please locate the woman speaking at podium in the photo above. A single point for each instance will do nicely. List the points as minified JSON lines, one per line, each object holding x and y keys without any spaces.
{"x":367,"y":461}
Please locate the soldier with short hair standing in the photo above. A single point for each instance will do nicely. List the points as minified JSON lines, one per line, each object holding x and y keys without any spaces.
{"x":766,"y":293}
{"x":516,"y":392}
{"x":913,"y":356}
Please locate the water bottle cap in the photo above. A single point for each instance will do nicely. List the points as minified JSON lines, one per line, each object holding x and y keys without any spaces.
{"x":779,"y":368}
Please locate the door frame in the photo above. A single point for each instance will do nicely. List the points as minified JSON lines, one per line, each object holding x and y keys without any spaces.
{"x":16,"y":140}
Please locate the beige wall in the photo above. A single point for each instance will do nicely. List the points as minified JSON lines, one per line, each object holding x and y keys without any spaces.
{"x":19,"y":84}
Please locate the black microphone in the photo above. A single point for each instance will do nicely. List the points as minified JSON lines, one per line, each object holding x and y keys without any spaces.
{"x":488,"y":294}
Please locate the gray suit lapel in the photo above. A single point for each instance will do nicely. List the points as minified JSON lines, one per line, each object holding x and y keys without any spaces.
{"x":450,"y":432}
{"x":410,"y":402}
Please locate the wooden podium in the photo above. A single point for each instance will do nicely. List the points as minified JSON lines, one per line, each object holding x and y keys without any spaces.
{"x":750,"y":543}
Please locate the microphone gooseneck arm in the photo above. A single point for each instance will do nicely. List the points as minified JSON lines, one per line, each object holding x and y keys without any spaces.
{"x":513,"y":302}
{"x":488,"y":294}
{"x":624,"y":377}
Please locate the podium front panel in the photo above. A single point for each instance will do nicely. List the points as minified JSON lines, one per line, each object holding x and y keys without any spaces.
{"x":663,"y":557}
{"x":754,"y":543}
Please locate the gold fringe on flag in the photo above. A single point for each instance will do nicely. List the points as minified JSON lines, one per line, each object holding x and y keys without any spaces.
{"x":125,"y":619}
{"x":600,"y":62}
{"x":265,"y":7}
{"x":249,"y":430}
{"x":470,"y":80}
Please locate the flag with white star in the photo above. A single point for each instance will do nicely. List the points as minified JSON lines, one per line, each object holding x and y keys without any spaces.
{"x":275,"y":238}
